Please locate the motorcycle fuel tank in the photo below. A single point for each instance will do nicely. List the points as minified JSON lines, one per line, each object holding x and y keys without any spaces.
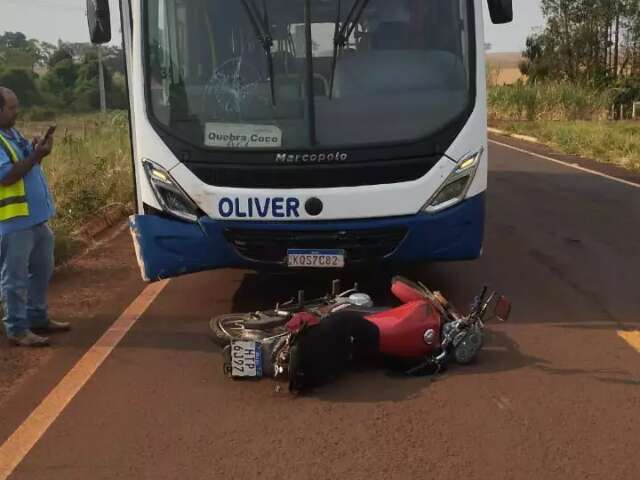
{"x":410,"y":331}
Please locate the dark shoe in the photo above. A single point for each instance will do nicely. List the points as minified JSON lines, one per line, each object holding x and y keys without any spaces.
{"x":29,"y":339}
{"x":53,"y":327}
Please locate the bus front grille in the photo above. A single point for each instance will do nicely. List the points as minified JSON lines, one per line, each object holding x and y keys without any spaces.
{"x":271,"y":245}
{"x":313,"y":176}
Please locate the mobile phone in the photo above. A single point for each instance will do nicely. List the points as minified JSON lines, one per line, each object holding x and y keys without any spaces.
{"x":50,"y":131}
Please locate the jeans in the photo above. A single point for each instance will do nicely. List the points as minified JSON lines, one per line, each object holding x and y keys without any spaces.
{"x":26,"y":266}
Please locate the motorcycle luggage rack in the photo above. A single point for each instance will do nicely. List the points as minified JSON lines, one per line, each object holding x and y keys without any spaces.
{"x":300,"y":302}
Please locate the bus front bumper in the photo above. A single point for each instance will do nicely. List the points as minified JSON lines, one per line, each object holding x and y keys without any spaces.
{"x":168,"y":248}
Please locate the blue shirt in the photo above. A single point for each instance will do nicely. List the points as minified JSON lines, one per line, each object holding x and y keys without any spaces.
{"x":41,"y":207}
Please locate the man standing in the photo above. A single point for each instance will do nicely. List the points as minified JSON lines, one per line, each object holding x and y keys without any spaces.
{"x":26,"y":240}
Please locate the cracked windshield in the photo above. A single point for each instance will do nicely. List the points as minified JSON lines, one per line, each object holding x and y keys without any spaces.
{"x":300,"y":74}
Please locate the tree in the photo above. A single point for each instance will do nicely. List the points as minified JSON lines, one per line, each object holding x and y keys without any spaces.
{"x":45,"y":51}
{"x":22,"y":82}
{"x":18,"y":58}
{"x":71,"y":82}
{"x":540,"y":58}
{"x":75,"y":85}
{"x":86,"y":89}
{"x":13,"y":40}
{"x":59,"y":55}
{"x":60,"y":82}
{"x":594,"y":41}
{"x":17,"y":51}
{"x":113,"y":58}
{"x":112,"y":55}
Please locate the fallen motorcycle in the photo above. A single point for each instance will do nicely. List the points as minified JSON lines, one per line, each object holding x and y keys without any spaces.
{"x":311,"y":342}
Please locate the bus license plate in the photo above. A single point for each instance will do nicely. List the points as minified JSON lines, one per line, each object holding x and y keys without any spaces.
{"x":246,"y":359}
{"x":315,"y":258}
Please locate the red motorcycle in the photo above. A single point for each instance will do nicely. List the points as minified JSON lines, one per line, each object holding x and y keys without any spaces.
{"x":312,"y":342}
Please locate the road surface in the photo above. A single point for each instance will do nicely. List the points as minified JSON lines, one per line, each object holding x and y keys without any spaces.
{"x":556,"y":393}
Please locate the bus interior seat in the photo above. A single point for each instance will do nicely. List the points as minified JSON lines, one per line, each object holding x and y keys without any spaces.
{"x":284,"y":63}
{"x":391,"y":36}
{"x":397,"y":71}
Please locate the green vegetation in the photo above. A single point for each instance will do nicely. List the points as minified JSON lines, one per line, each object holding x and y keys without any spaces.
{"x":571,"y":118}
{"x":583,"y":75}
{"x":88,"y":171}
{"x":587,"y":59}
{"x":596,"y":42}
{"x":61,"y":79}
{"x":90,"y":167}
{"x":613,"y":142}
{"x":549,"y":101}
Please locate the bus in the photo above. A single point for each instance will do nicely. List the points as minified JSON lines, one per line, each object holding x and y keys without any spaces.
{"x":295,"y":134}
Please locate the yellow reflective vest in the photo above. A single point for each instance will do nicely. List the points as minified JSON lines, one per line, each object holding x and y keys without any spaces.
{"x":13,"y":198}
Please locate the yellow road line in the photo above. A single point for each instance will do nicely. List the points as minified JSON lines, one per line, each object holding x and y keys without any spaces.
{"x":632,"y":338}
{"x":18,"y":445}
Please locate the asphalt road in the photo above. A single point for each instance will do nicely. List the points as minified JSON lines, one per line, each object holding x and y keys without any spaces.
{"x":556,"y":393}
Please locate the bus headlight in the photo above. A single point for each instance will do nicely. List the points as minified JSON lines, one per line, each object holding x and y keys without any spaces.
{"x":170,"y":196}
{"x":455,"y":187}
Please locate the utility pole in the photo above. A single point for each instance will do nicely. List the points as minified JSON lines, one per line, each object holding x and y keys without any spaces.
{"x":103,"y":98}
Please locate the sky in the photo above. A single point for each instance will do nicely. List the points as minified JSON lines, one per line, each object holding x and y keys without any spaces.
{"x":51,"y":20}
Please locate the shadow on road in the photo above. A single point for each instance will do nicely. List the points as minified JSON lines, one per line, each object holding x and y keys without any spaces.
{"x":263,"y":290}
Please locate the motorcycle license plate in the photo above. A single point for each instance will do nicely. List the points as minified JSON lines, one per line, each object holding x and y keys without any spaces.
{"x":315,"y":258}
{"x":246,"y":359}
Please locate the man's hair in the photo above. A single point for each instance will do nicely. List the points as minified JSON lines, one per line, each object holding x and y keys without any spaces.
{"x":3,"y":96}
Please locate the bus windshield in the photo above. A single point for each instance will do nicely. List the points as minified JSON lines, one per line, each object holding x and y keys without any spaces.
{"x":306,"y":74}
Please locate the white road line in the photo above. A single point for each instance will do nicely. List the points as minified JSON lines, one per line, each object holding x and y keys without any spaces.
{"x":570,"y":165}
{"x":20,"y":443}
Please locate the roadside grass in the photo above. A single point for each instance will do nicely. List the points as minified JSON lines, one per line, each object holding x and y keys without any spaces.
{"x":571,"y":118}
{"x":548,"y":101}
{"x":88,"y":171}
{"x":612,"y":142}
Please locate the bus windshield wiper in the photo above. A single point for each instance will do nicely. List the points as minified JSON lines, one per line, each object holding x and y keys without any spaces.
{"x":341,"y":34}
{"x":263,"y":32}
{"x":311,"y":97}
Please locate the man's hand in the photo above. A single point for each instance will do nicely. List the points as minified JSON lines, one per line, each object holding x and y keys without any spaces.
{"x":43,"y":148}
{"x":40,"y":150}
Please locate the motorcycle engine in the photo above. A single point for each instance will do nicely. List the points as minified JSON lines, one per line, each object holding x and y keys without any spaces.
{"x":468,"y":344}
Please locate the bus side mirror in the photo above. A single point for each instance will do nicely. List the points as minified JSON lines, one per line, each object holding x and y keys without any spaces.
{"x":501,"y":11}
{"x":99,"y":19}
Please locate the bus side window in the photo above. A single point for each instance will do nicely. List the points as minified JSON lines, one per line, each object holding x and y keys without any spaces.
{"x":158,"y":54}
{"x":182,"y":51}
{"x":166,"y":44}
{"x":203,"y":53}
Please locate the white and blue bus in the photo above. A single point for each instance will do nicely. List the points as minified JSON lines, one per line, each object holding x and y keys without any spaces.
{"x":304,"y":133}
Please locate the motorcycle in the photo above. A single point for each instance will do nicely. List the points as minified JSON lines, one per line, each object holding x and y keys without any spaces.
{"x":311,"y":342}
